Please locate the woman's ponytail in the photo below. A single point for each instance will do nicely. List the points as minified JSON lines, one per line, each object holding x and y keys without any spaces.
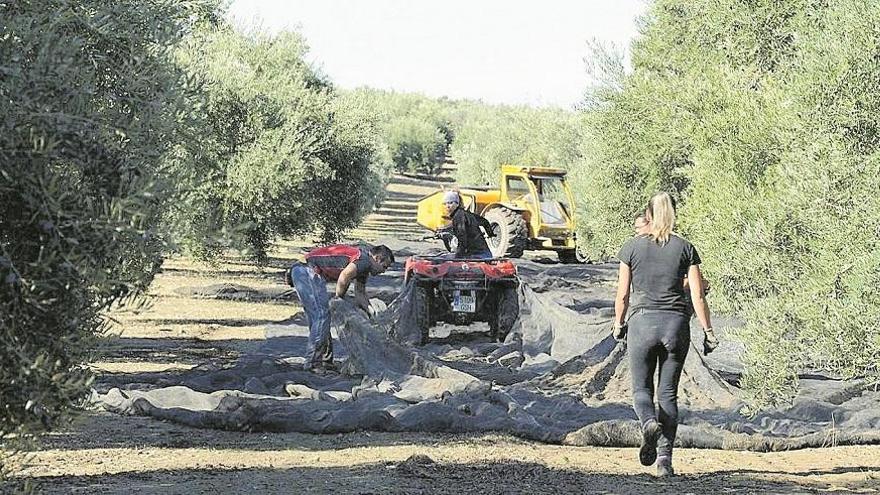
{"x":662,"y":211}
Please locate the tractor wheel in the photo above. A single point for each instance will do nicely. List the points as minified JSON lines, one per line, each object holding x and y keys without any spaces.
{"x":511,"y":233}
{"x":573,"y":256}
{"x":423,"y":309}
{"x":505,"y":312}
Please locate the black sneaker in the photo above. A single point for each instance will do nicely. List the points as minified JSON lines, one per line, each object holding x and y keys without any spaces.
{"x":648,"y":450}
{"x":664,"y":467}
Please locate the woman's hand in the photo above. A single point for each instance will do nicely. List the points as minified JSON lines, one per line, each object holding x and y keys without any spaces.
{"x":710,"y":341}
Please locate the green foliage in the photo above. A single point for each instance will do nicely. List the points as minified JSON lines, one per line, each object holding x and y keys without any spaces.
{"x":762,"y":118}
{"x":487,"y":137}
{"x":277,"y":152}
{"x":420,"y":131}
{"x":415,"y":129}
{"x":416,"y":144}
{"x":89,"y":105}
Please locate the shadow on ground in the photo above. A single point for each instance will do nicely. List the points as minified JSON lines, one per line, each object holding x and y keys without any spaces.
{"x":100,"y":430}
{"x":419,"y":474}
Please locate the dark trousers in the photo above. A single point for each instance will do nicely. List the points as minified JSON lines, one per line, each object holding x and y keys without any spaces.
{"x":658,"y":343}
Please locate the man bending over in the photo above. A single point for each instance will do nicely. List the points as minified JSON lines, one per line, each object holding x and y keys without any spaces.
{"x":344,"y":265}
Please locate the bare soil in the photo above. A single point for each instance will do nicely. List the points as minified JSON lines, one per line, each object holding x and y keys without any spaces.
{"x":107,"y":453}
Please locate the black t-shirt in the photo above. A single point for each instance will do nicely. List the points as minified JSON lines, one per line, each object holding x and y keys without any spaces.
{"x":658,"y":271}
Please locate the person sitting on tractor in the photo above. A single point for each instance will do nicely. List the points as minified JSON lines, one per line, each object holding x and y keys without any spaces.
{"x":466,"y":229}
{"x":342,"y":264}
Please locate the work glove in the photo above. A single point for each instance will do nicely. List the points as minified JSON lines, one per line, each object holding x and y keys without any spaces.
{"x":619,"y":332}
{"x":365,"y":307}
{"x":368,"y":310}
{"x":710,"y":342}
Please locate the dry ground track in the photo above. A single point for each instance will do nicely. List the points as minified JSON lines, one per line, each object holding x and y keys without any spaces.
{"x":396,"y":215}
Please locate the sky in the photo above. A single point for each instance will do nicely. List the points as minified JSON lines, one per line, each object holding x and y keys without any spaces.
{"x":513,"y":52}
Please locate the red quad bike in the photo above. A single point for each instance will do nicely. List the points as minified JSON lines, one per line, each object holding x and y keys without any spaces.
{"x":463,"y":291}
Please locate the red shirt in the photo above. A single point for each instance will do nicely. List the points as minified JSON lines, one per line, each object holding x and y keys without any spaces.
{"x":329,"y":261}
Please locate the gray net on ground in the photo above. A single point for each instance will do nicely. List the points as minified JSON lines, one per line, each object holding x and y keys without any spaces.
{"x":559,"y":377}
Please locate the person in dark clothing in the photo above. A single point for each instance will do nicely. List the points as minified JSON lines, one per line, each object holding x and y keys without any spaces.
{"x":342,"y":264}
{"x":466,"y":227}
{"x":651,"y":287}
{"x":641,"y":226}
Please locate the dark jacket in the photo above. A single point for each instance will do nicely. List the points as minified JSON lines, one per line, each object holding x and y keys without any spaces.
{"x":466,"y":228}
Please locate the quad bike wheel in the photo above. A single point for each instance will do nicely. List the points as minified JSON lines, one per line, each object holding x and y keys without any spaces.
{"x":573,"y":256}
{"x":504,"y":310}
{"x":423,"y":309}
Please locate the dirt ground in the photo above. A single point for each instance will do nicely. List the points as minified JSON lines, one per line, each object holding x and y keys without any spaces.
{"x":107,"y":453}
{"x":113,"y":454}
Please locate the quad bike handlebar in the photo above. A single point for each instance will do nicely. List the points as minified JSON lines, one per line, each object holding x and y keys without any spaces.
{"x":445,"y":235}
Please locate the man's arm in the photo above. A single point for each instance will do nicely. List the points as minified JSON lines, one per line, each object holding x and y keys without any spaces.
{"x":360,"y":294}
{"x":486,"y":226}
{"x":348,"y":274}
{"x":459,"y":229}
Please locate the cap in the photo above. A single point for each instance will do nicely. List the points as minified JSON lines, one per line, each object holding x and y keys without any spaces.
{"x":451,"y":197}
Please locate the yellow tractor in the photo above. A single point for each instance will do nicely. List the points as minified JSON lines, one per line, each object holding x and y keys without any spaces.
{"x":533,"y":209}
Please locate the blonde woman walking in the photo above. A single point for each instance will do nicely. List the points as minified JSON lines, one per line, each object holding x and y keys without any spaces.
{"x":650,"y":288}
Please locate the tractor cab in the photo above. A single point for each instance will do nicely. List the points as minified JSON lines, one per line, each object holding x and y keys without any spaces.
{"x":543,"y":193}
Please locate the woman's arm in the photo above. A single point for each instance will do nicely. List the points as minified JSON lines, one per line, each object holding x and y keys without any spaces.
{"x":698,"y":296}
{"x":621,"y":302}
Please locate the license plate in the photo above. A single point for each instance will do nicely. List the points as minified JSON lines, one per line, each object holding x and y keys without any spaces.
{"x":464,"y":301}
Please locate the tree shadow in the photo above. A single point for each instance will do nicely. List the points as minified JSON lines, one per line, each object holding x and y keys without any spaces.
{"x":808,"y":472}
{"x":182,"y":350}
{"x":101,"y":430}
{"x":408,"y":213}
{"x":226,"y":322}
{"x":271,"y":262}
{"x":391,"y":222}
{"x":418,"y":474}
{"x":421,"y":178}
{"x":402,"y":197}
{"x":395,"y":232}
{"x":267,"y":273}
{"x":240,"y":293}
